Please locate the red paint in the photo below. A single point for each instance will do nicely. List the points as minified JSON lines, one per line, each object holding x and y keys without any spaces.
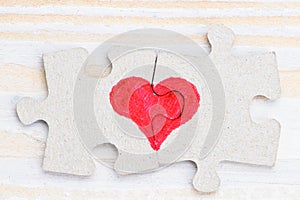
{"x":157,"y":110}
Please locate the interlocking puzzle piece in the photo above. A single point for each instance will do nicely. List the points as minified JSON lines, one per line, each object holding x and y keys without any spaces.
{"x":136,"y":155}
{"x":240,"y":139}
{"x":64,"y":152}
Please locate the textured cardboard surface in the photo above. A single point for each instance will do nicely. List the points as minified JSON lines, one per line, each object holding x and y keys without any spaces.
{"x":239,"y":140}
{"x":64,"y":152}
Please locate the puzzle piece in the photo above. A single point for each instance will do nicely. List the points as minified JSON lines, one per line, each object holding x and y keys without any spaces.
{"x":64,"y":152}
{"x":239,"y":139}
{"x":135,"y":154}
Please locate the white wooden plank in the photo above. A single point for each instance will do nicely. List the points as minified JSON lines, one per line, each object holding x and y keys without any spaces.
{"x":116,"y":28}
{"x":102,"y":2}
{"x":257,"y":191}
{"x":9,"y":121}
{"x":29,"y":53}
{"x":27,"y":172}
{"x":157,"y":1}
{"x":23,"y":178}
{"x":150,"y":12}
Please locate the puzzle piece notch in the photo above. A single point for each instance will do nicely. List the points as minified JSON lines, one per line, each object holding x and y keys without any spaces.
{"x":242,"y":140}
{"x":64,"y":152}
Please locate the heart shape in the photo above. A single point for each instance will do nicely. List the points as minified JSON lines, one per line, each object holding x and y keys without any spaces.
{"x":157,"y":110}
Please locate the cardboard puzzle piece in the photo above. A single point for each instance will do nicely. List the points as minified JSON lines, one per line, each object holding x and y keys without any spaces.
{"x":64,"y":152}
{"x":238,"y":138}
{"x":241,"y":140}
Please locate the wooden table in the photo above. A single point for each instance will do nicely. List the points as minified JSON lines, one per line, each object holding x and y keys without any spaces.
{"x":29,"y":28}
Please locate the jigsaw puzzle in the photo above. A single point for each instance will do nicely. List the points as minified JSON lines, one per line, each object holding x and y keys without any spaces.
{"x":158,"y":106}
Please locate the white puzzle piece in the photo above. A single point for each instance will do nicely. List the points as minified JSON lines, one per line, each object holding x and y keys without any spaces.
{"x":64,"y":152}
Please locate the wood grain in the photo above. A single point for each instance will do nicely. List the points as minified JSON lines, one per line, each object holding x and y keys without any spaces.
{"x":29,"y":79}
{"x":33,"y":183}
{"x":154,"y":4}
{"x":75,"y":19}
{"x":29,"y":28}
{"x":32,"y":80}
{"x":21,"y":145}
{"x":290,"y":82}
{"x":263,"y":192}
{"x":75,"y":37}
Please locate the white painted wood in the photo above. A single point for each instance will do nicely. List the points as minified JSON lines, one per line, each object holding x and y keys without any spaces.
{"x":29,"y":28}
{"x":149,"y":12}
{"x":291,"y":31}
{"x":29,"y":53}
{"x":28,"y":172}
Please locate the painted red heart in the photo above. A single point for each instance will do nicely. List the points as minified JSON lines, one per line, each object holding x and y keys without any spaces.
{"x":157,"y":110}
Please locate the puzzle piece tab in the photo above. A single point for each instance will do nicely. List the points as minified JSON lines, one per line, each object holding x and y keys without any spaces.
{"x":64,"y":152}
{"x":241,"y":140}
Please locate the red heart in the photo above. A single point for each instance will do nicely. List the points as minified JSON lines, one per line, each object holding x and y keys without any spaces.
{"x":157,"y":110}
